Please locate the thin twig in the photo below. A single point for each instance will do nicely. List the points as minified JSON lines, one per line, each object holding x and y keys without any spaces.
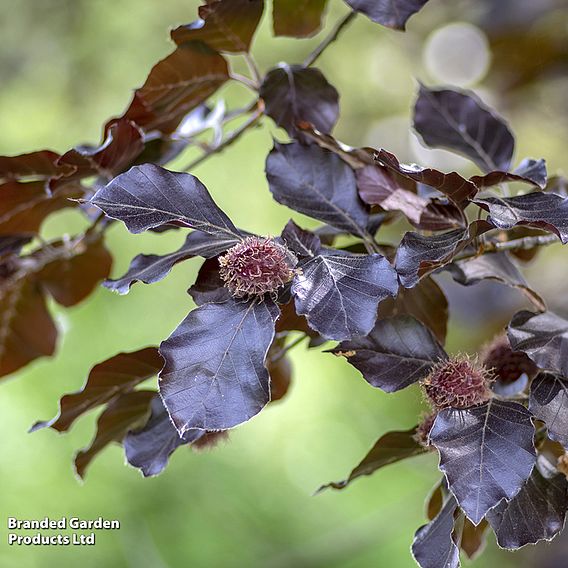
{"x":524,"y":243}
{"x":313,"y":56}
{"x":228,"y":140}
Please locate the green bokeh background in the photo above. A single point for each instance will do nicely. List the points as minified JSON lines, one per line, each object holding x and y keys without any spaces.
{"x":66,"y":66}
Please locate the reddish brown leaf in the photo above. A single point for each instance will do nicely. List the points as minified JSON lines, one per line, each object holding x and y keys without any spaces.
{"x":71,"y":280}
{"x":24,"y":205}
{"x":115,"y":376}
{"x":176,"y":85}
{"x":297,"y":18}
{"x":120,"y":416}
{"x":224,"y":25}
{"x":123,"y":144}
{"x":26,"y":328}
{"x":40,"y":164}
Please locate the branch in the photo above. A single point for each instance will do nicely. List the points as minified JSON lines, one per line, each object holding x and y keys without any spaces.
{"x":524,"y":243}
{"x":313,"y":56}
{"x":229,"y":139}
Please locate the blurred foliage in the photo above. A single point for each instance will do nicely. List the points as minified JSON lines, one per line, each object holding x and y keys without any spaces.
{"x":69,"y":65}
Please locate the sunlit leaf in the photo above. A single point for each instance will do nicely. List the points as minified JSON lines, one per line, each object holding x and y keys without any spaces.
{"x":150,"y":196}
{"x":214,"y":377}
{"x":486,"y":453}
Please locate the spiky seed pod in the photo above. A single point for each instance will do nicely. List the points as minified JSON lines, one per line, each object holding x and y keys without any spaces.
{"x":506,"y":364}
{"x":256,"y":266}
{"x":422,"y":435}
{"x":458,"y":383}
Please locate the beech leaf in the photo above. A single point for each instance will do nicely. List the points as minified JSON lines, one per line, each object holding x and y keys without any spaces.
{"x":150,"y":447}
{"x":486,"y":453}
{"x":529,"y":171}
{"x":390,"y":13}
{"x":543,"y":337}
{"x":549,"y":402}
{"x":536,"y":513}
{"x":151,"y":268}
{"x":398,"y":352}
{"x":293,"y":93}
{"x":318,"y":183}
{"x":434,"y":545}
{"x":297,"y":18}
{"x":389,"y":448}
{"x":542,"y":210}
{"x":459,"y":121}
{"x":224,"y":25}
{"x":339,"y":292}
{"x":150,"y":196}
{"x":215,"y":377}
{"x":115,"y":376}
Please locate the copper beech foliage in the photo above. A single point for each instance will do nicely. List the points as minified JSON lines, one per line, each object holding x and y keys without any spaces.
{"x":342,"y":282}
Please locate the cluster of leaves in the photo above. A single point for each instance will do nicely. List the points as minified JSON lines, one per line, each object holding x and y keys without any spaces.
{"x":227,"y":359}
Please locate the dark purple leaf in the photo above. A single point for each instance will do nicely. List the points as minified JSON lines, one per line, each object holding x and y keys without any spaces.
{"x":486,"y":453}
{"x":460,"y":122}
{"x":224,"y":25}
{"x":176,"y":85}
{"x":497,"y":266}
{"x":397,"y":353}
{"x":434,"y":545}
{"x":536,"y":513}
{"x":318,"y":183}
{"x":150,"y":268}
{"x":542,"y":210}
{"x":303,"y":243}
{"x":456,"y":187}
{"x":150,"y":196}
{"x":419,"y":254}
{"x":150,"y":447}
{"x":115,"y":376}
{"x":389,"y":448}
{"x":209,"y":287}
{"x":529,"y":171}
{"x":215,"y":377}
{"x":543,"y":337}
{"x":339,"y":292}
{"x":293,"y":93}
{"x":390,"y":13}
{"x":297,"y":18}
{"x":549,"y":402}
{"x":426,"y":302}
{"x":121,"y":415}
